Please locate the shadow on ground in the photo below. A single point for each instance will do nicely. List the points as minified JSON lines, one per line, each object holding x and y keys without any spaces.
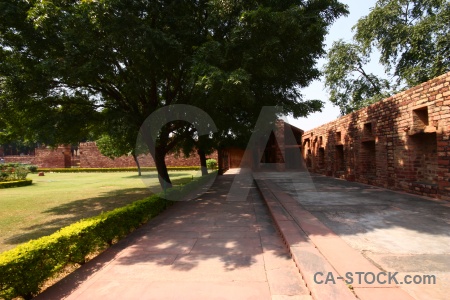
{"x":68,"y":213}
{"x":354,"y":208}
{"x":208,"y":239}
{"x":396,"y":231}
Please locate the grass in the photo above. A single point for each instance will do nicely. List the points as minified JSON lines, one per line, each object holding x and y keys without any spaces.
{"x":59,"y":199}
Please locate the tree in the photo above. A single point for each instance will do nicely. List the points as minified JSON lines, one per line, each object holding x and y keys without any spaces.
{"x":412,"y":36}
{"x":112,"y":146}
{"x":229,"y":58}
{"x":202,"y":145}
{"x":350,"y":86}
{"x":117,"y":139}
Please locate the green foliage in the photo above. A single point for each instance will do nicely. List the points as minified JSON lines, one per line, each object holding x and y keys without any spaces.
{"x":13,"y":172}
{"x":413,"y":39}
{"x":350,"y":86}
{"x":4,"y":174}
{"x":105,"y":170}
{"x":109,"y":147}
{"x":25,"y":268}
{"x":32,"y":168}
{"x":17,"y":183}
{"x":14,"y":146}
{"x":119,"y":138}
{"x":21,"y":172}
{"x":412,"y":36}
{"x":211,"y":164}
{"x":69,"y":68}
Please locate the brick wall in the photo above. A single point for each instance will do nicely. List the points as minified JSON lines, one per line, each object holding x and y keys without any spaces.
{"x":401,"y":142}
{"x":44,"y":157}
{"x":235,"y":157}
{"x":277,"y":151}
{"x":90,"y":157}
{"x":26,"y":159}
{"x":53,"y":158}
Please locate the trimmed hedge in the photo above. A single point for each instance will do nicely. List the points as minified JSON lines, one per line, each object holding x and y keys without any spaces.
{"x":24,"y":269}
{"x":17,"y":183}
{"x":101,"y":170}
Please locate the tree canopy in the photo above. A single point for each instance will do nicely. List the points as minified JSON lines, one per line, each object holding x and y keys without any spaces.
{"x":351,"y":87}
{"x":69,"y":65}
{"x":413,"y":40}
{"x":116,"y":138}
{"x":413,"y":37}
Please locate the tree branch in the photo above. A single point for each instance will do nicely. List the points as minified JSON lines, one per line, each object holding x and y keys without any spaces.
{"x":363,"y":73}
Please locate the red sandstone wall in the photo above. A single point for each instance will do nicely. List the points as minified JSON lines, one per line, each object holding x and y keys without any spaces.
{"x":280,"y":151}
{"x":90,"y":157}
{"x":173,"y":160}
{"x":52,"y":158}
{"x":44,"y":158}
{"x":235,"y":156}
{"x":20,"y":159}
{"x":400,"y":143}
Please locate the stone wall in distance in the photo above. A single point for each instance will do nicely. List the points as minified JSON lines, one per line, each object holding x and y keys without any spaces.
{"x":44,"y":157}
{"x":90,"y":157}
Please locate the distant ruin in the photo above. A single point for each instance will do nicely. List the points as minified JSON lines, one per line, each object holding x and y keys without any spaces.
{"x":87,"y":155}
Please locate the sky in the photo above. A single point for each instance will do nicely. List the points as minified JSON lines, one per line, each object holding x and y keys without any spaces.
{"x":341,"y":29}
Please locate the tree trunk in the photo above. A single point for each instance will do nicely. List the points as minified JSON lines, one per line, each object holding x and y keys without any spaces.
{"x":202,"y":156}
{"x":158,"y":154}
{"x":161,"y":167}
{"x":220,"y":161}
{"x":137,"y":164}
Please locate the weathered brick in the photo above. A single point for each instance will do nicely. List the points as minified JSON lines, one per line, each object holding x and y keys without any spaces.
{"x":396,"y":154}
{"x":90,"y":157}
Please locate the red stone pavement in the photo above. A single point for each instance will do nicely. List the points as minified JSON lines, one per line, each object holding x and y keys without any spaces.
{"x":208,"y":248}
{"x":263,"y":246}
{"x":316,"y":248}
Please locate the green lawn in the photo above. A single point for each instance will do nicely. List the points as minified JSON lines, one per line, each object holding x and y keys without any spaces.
{"x":59,"y":199}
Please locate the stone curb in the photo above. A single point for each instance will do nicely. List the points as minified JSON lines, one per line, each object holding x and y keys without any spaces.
{"x":305,"y":255}
{"x":316,"y":248}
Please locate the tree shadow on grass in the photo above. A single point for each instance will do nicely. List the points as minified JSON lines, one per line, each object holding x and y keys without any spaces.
{"x":71,"y":212}
{"x":207,"y":238}
{"x":68,"y":213}
{"x":152,"y":174}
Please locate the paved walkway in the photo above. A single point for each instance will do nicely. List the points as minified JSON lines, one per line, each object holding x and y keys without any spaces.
{"x":222,"y":246}
{"x":361,"y":228}
{"x":209,"y":248}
